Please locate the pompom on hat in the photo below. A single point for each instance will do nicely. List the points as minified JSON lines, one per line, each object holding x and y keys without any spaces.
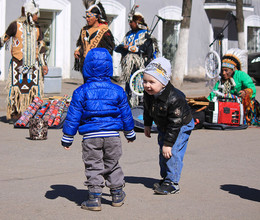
{"x":160,"y":69}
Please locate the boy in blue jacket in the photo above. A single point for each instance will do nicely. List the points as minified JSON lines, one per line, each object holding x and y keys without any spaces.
{"x":99,"y":110}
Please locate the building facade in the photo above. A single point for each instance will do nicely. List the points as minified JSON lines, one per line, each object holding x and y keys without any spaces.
{"x":61,"y":21}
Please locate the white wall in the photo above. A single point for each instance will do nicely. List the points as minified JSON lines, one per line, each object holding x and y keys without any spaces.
{"x":63,"y":30}
{"x":2,"y":31}
{"x":116,"y":9}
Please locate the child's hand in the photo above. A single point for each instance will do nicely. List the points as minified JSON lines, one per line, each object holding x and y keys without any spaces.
{"x":130,"y":136}
{"x":167,"y":152}
{"x":66,"y":141}
{"x":131,"y":140}
{"x":147,"y":131}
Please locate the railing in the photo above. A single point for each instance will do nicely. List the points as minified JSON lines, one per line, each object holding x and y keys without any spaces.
{"x":245,"y":2}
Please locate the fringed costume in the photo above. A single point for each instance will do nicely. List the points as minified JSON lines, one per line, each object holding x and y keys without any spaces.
{"x":251,"y":108}
{"x":93,"y":36}
{"x":138,"y":48}
{"x":28,"y":55}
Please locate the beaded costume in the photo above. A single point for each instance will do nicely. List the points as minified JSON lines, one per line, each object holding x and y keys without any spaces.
{"x":92,"y":37}
{"x":28,"y":55}
{"x":141,"y":49}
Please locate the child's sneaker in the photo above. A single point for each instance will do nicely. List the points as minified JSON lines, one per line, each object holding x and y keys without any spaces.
{"x":118,"y":196}
{"x":158,"y":184}
{"x":167,"y":188}
{"x":93,"y":203}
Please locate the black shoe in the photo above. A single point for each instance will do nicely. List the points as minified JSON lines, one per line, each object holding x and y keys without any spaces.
{"x":118,"y":197}
{"x":93,"y":203}
{"x":14,"y":118}
{"x":167,"y":188}
{"x":158,"y":184}
{"x":12,"y":121}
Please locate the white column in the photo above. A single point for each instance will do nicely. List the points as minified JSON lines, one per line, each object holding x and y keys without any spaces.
{"x":2,"y":31}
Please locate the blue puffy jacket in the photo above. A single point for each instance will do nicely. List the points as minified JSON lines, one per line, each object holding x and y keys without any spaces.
{"x":98,"y":105}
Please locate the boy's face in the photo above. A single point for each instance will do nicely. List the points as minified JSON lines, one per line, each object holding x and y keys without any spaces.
{"x":151,"y":85}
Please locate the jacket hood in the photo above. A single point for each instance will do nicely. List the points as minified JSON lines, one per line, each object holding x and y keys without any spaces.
{"x":98,"y":65}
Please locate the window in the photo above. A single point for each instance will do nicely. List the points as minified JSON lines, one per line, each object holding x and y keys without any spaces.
{"x":168,"y":31}
{"x":47,"y":23}
{"x":170,"y":38}
{"x":253,"y":39}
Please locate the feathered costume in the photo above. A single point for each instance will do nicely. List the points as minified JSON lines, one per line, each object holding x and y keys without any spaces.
{"x":92,"y":37}
{"x":236,"y":60}
{"x":28,"y":55}
{"x":142,"y":48}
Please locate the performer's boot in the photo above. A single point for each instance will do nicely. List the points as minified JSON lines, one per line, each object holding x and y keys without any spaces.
{"x":14,"y":117}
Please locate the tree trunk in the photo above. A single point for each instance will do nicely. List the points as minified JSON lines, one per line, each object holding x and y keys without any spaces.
{"x":240,"y":24}
{"x":181,"y":56}
{"x":240,"y":28}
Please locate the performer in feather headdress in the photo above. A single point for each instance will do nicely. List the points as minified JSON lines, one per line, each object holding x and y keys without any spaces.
{"x":235,"y":81}
{"x":137,"y":49}
{"x":95,"y":34}
{"x":28,"y":63}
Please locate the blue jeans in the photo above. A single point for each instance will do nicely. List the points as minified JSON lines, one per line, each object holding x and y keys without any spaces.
{"x":170,"y":169}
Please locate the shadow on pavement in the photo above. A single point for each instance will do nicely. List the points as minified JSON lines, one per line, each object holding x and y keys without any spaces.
{"x":71,"y":193}
{"x":72,"y":83}
{"x":3,"y":119}
{"x":147,"y":182}
{"x":242,"y":191}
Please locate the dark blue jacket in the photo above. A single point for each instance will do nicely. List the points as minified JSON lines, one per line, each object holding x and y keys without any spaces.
{"x":98,"y":105}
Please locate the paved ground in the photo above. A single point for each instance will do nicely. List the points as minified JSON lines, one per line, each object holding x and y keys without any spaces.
{"x":220,"y":179}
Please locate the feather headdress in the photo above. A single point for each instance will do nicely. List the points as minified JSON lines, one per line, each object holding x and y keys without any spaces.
{"x":132,"y":12}
{"x":137,"y":17}
{"x":96,"y":7}
{"x":31,"y":7}
{"x":88,"y":3}
{"x":235,"y":57}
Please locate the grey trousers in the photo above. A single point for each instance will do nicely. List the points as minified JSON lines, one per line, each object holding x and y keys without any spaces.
{"x":101,"y":159}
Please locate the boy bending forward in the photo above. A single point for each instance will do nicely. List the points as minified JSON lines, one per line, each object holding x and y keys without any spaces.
{"x":167,"y":107}
{"x":98,"y":110}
